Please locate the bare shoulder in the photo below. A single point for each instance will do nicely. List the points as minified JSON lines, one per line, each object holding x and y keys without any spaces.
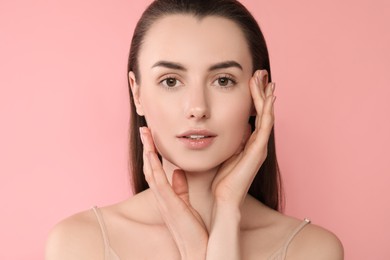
{"x":76,"y":237}
{"x":270,"y":230}
{"x":315,"y":242}
{"x":80,"y":236}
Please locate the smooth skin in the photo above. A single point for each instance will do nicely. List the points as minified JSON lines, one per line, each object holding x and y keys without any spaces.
{"x":197,"y":206}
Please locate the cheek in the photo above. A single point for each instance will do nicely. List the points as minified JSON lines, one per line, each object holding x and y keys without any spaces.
{"x":156,"y":109}
{"x":235,"y":117}
{"x":238,"y":124}
{"x":160,"y":117}
{"x":236,"y":107}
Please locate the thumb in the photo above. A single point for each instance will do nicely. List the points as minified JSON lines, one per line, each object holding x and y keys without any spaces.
{"x":180,"y":185}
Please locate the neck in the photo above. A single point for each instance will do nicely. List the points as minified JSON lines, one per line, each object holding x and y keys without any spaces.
{"x":199,"y":185}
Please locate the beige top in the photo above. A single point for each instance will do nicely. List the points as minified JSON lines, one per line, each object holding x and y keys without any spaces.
{"x":109,"y":253}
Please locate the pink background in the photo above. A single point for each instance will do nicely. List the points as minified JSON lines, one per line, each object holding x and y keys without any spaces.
{"x":64,"y":114}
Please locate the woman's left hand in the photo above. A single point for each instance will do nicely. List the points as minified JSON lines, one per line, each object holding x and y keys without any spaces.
{"x":235,"y":176}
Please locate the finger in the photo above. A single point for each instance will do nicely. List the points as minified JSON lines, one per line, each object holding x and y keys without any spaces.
{"x":146,"y":165}
{"x":270,"y":89}
{"x":147,"y":139}
{"x":183,"y":222}
{"x":157,"y":174}
{"x":267,"y":118}
{"x":259,"y":138}
{"x":267,"y":105}
{"x":258,"y":99}
{"x":260,"y":103}
{"x":261,"y":80}
{"x":173,"y":198}
{"x":267,"y":122}
{"x":257,"y":88}
{"x":148,"y":146}
{"x":153,"y":169}
{"x":180,"y":185}
{"x":179,"y":182}
{"x":256,"y":152}
{"x":175,"y":207}
{"x":171,"y":204}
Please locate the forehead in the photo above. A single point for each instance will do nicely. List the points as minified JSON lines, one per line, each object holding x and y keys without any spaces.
{"x":190,"y":40}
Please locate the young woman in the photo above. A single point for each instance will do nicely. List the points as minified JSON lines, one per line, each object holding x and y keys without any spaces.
{"x":204,"y":166}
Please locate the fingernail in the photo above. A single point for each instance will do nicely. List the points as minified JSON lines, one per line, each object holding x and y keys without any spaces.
{"x":273,"y":86}
{"x":273,"y":99}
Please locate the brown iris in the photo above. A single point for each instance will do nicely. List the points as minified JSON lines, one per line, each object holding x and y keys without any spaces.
{"x":171,"y":82}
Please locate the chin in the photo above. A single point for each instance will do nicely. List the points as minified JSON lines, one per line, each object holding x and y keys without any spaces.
{"x":196,"y":161}
{"x":198,"y":169}
{"x":197,"y":165}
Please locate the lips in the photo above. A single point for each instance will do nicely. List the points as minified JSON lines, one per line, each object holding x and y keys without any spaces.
{"x":197,"y":134}
{"x":197,"y":139}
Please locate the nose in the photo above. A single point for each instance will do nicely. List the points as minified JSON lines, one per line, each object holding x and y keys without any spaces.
{"x":197,"y":104}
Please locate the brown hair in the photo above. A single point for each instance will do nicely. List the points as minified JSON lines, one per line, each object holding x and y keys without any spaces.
{"x":266,"y":186}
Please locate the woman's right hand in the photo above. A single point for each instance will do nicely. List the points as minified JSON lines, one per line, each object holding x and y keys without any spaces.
{"x":183,"y":221}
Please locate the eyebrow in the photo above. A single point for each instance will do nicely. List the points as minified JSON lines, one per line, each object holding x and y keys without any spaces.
{"x":225,"y":65}
{"x":217,"y":66}
{"x":169,"y":65}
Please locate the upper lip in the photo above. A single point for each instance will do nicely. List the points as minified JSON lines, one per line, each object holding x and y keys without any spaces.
{"x":203,"y":132}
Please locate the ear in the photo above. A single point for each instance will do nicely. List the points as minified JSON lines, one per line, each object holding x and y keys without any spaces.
{"x":136,"y":93}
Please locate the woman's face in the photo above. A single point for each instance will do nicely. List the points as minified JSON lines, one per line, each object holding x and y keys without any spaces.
{"x":194,"y":89}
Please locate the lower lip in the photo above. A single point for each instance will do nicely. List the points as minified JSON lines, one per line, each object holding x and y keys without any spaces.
{"x":197,"y":144}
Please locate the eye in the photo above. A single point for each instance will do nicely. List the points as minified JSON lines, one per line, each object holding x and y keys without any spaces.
{"x":224,"y":82}
{"x":170,"y":82}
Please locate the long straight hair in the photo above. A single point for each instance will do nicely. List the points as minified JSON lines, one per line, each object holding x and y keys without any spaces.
{"x":266,"y":186}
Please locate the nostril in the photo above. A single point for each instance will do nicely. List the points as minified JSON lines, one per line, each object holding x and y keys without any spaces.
{"x":197,"y":104}
{"x":198,"y":113}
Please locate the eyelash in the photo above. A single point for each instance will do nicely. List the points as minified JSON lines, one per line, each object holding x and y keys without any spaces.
{"x":232,"y":82}
{"x":161,"y":82}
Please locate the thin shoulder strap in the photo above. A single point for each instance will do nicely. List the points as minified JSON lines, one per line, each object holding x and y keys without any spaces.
{"x":103,"y":230}
{"x":291,"y":237}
